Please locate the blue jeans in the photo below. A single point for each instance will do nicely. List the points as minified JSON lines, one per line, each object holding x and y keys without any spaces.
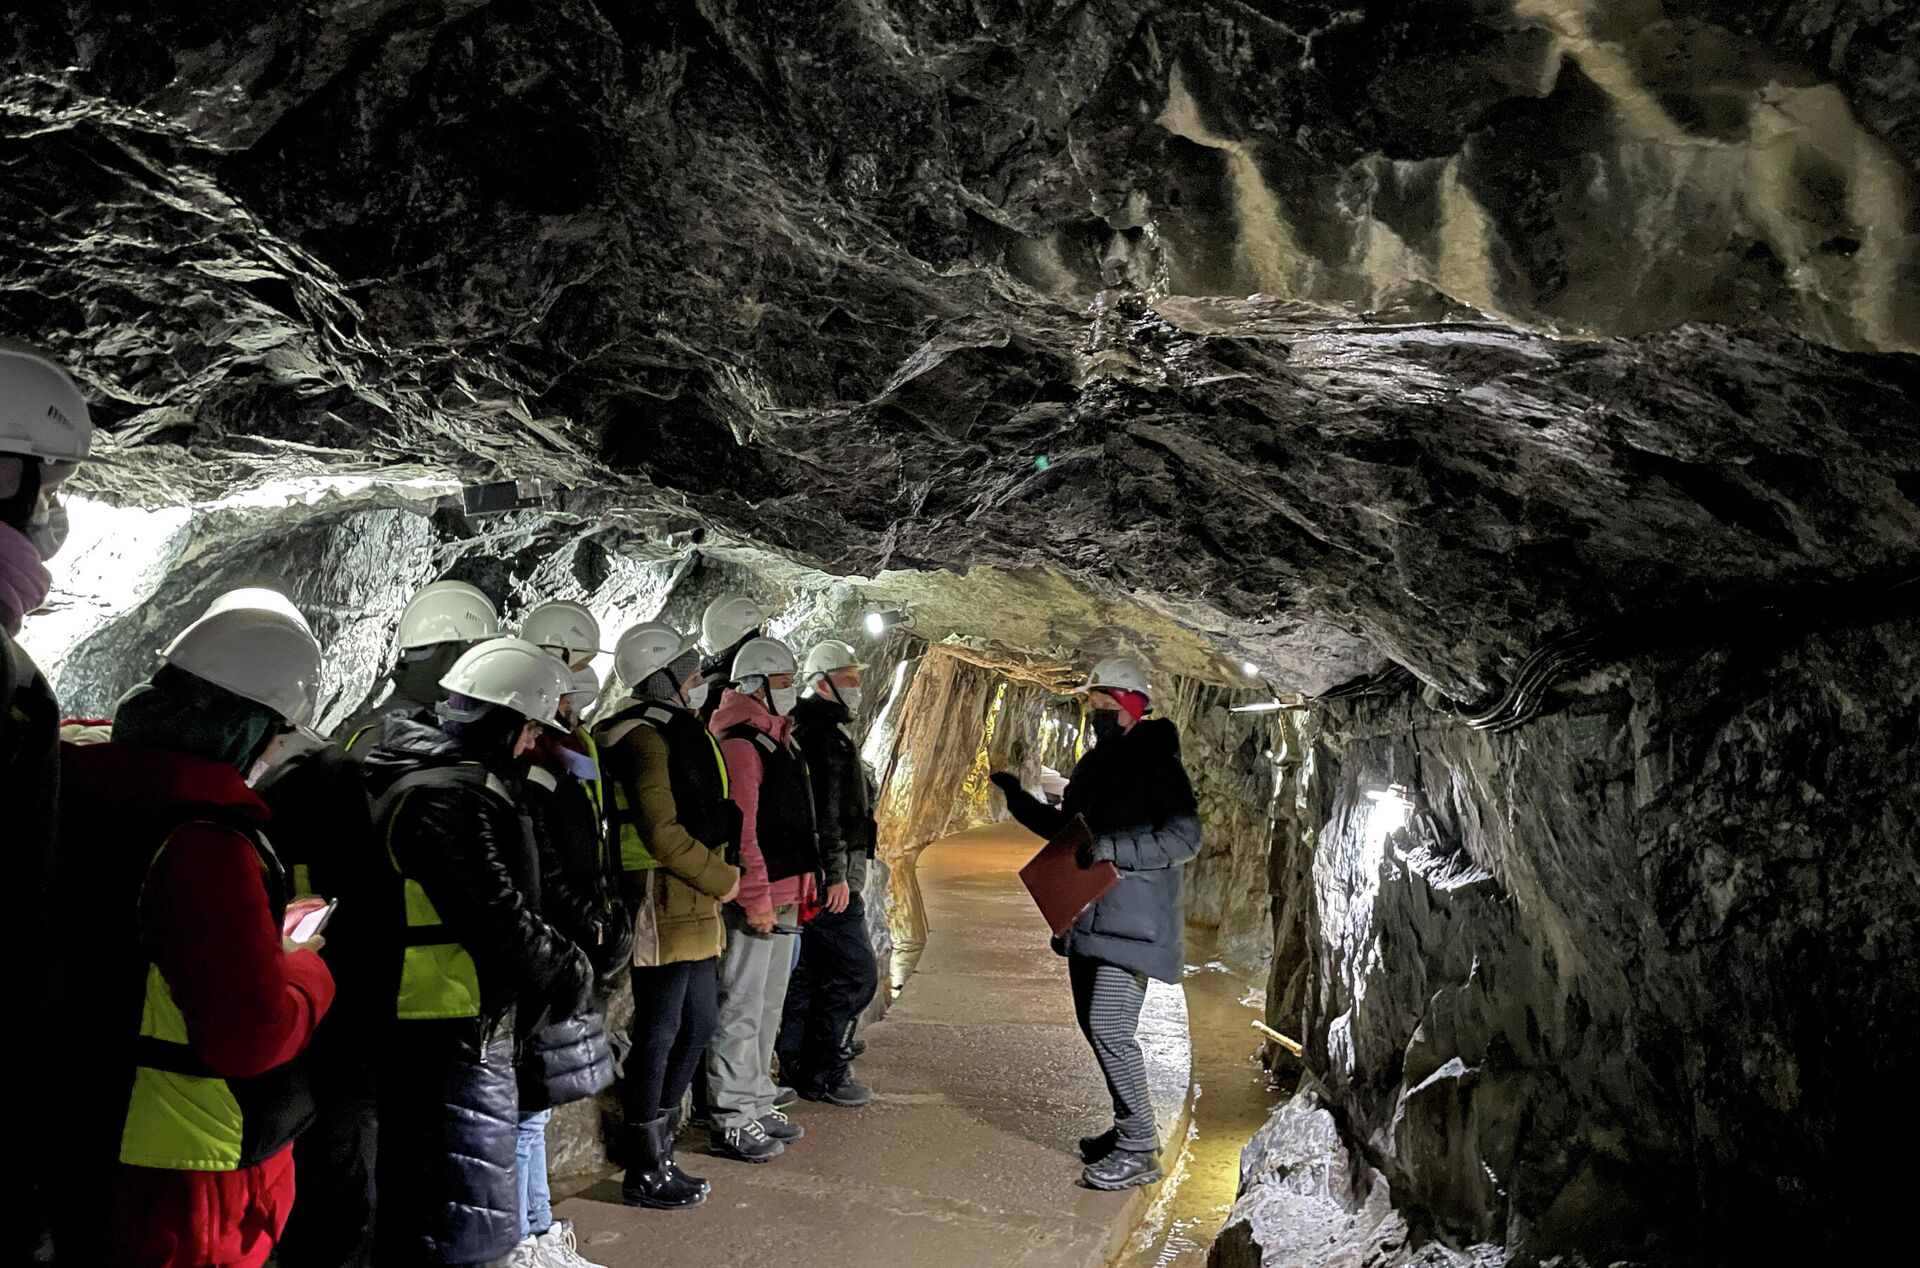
{"x":530,"y":1169}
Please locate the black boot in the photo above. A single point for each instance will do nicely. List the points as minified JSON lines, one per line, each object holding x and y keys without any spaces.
{"x":652,"y":1179}
{"x":1122,"y":1169}
{"x":675,"y":1120}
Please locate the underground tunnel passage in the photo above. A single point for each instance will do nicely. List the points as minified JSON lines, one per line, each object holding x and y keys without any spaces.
{"x":1486,"y":431}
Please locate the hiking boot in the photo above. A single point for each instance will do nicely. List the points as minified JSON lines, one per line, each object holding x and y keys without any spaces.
{"x":557,"y":1248}
{"x":1094,"y":1148}
{"x":781,"y":1128}
{"x":848,"y":1093}
{"x":748,"y":1142}
{"x":652,"y":1180}
{"x":784,"y":1097}
{"x":1122,"y":1169}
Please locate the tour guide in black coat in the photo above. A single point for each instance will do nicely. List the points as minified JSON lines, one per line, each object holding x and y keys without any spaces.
{"x":1140,"y":807}
{"x":448,"y":1101}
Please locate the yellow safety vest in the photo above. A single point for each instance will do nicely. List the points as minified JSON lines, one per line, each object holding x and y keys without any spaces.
{"x":182,"y":1117}
{"x":438,"y":980}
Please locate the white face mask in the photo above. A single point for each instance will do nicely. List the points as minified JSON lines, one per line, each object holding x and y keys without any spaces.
{"x":848,"y":696}
{"x":784,"y":698}
{"x":697,"y":697}
{"x":47,"y":530}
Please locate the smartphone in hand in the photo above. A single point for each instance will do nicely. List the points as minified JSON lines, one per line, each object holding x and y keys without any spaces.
{"x":301,"y":925}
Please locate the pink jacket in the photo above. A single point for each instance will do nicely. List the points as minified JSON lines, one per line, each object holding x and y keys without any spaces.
{"x":757,"y":894}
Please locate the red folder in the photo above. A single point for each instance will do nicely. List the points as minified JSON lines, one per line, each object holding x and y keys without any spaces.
{"x":1061,"y":888}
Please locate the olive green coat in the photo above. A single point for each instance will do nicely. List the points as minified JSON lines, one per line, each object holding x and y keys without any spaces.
{"x":692,"y":878}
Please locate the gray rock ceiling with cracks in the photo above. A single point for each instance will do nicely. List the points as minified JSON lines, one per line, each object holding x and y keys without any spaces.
{"x":1318,"y":335}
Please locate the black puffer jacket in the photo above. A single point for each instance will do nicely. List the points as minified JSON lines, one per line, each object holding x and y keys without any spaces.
{"x":842,"y":789}
{"x":1140,"y":806}
{"x":567,"y":1058}
{"x":449,"y":1100}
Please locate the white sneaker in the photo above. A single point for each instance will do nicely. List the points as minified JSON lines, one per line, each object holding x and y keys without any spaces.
{"x":558,"y":1248}
{"x":526,"y":1255}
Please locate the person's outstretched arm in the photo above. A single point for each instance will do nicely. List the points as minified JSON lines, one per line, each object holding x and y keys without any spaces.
{"x":1030,"y":812}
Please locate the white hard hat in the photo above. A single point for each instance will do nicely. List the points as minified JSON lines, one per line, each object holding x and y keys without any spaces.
{"x":1122,"y":673}
{"x":513,"y":674}
{"x":564,"y":624}
{"x":254,"y":643}
{"x":42,"y":414}
{"x":829,"y":655}
{"x":585,"y":683}
{"x":762,"y":658}
{"x":727,"y":619}
{"x":647,"y":649}
{"x":448,"y":612}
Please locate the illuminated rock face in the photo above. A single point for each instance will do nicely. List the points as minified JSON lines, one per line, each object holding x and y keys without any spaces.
{"x":911,"y":285}
{"x":1634,"y":983}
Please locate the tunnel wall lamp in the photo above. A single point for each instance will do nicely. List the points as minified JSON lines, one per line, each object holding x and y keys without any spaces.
{"x":1389,"y":813}
{"x":879,"y":620}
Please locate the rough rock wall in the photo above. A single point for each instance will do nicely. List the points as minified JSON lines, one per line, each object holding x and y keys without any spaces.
{"x":933,"y":740}
{"x":1231,"y":759}
{"x":1092,"y":257}
{"x":1638,"y":981}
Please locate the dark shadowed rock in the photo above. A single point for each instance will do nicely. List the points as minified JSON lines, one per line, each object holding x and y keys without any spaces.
{"x":830,"y":281}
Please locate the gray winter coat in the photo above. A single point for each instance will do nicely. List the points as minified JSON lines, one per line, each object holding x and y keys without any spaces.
{"x":1140,"y":806}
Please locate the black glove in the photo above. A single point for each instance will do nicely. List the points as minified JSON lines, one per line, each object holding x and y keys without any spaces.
{"x":1006,"y":781}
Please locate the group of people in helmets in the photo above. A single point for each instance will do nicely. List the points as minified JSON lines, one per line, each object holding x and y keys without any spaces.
{"x":452,"y":886}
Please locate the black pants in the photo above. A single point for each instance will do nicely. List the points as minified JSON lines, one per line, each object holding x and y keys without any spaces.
{"x":333,"y":1206}
{"x":1106,"y":1003}
{"x":832,"y":985}
{"x":674,"y":1009}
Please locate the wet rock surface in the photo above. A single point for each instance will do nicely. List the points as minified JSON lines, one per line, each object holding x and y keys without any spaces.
{"x":1637,"y":981}
{"x":1305,"y":1201}
{"x":835,"y":284}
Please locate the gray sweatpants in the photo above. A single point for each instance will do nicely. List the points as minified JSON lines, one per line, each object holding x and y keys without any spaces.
{"x":754,"y":971}
{"x":1106,"y":1003}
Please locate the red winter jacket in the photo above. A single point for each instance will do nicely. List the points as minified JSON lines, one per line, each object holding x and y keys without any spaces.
{"x":249,"y":1005}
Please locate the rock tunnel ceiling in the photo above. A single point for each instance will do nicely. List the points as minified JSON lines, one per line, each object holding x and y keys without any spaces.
{"x":1310,"y":333}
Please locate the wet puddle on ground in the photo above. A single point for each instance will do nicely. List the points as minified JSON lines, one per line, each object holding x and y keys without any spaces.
{"x":1232,"y":1097}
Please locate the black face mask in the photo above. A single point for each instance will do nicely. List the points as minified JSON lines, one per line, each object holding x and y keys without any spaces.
{"x":1106,"y":725}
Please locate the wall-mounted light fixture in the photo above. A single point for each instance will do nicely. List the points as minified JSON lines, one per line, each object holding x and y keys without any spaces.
{"x":1250,"y":669}
{"x":1260,"y":706}
{"x":1389,"y":813}
{"x":879,"y":620}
